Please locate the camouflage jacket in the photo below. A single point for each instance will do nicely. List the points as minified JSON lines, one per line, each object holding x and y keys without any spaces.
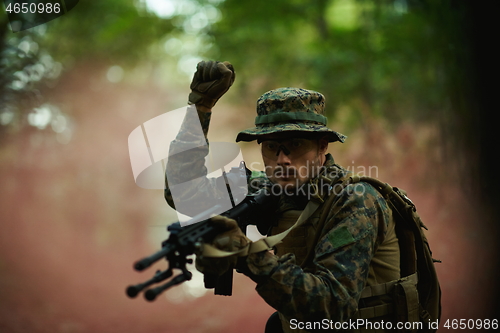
{"x":328,"y":287}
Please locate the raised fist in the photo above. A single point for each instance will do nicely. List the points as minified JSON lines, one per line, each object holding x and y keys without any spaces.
{"x":211,"y":80}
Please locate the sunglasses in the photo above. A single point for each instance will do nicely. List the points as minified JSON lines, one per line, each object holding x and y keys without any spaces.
{"x":292,"y":148}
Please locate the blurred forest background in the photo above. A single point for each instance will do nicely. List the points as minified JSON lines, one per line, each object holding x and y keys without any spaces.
{"x":409,"y":81}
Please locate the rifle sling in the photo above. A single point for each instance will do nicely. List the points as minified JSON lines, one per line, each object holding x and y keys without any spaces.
{"x":263,"y":244}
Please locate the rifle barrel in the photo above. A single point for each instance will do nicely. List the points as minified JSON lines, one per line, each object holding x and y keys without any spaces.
{"x":151,"y":294}
{"x":148,"y":261}
{"x":132,"y":291}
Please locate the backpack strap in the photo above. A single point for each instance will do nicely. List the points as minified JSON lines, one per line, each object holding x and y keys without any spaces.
{"x":330,"y":198}
{"x":263,"y":244}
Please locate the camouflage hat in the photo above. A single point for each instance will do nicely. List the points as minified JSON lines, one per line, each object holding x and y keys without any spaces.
{"x":290,"y":110}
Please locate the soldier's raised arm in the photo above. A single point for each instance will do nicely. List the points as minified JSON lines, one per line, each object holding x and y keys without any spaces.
{"x":186,"y":162}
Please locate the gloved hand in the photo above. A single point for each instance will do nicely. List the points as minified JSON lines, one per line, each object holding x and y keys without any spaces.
{"x":232,"y":239}
{"x":211,"y":80}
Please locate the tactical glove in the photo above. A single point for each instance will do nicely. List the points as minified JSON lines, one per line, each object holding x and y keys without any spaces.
{"x":232,"y":239}
{"x":211,"y":80}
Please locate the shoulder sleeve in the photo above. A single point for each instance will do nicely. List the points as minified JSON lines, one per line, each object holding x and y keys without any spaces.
{"x":257,"y":180}
{"x":187,"y":189}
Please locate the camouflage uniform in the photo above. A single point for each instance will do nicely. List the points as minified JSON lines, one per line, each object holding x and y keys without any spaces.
{"x":355,"y":247}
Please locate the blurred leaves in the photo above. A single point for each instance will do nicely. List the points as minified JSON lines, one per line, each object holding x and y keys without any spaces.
{"x":115,"y":31}
{"x":396,"y":59}
{"x":22,"y":67}
{"x":104,"y":33}
{"x":393,"y":58}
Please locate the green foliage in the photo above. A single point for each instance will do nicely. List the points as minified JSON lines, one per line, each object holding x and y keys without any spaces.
{"x":113,"y":31}
{"x":398,"y":59}
{"x":22,"y":67}
{"x":387,"y":58}
{"x":104,"y":33}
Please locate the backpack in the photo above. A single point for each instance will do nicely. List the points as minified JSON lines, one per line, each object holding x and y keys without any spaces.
{"x":417,"y":294}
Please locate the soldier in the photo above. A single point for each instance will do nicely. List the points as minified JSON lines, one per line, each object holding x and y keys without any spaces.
{"x":345,"y":239}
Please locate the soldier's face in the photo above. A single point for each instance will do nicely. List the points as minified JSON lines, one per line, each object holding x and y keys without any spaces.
{"x":290,"y":162}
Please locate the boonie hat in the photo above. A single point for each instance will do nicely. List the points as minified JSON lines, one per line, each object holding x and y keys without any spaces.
{"x":290,"y":110}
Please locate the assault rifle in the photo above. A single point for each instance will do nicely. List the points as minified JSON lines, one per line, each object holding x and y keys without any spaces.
{"x":184,"y":241}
